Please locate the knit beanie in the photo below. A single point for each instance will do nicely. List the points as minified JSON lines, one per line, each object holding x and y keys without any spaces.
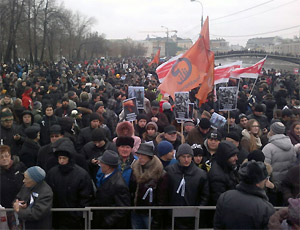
{"x":36,"y":173}
{"x":32,"y":131}
{"x":256,"y":155}
{"x":164,"y":147}
{"x":166,"y":105}
{"x":97,"y":105}
{"x":278,"y":128}
{"x":153,"y":124}
{"x":94,"y":116}
{"x":197,"y":150}
{"x":234,"y":136}
{"x":204,"y":123}
{"x":141,"y":116}
{"x":98,"y":134}
{"x":184,"y":149}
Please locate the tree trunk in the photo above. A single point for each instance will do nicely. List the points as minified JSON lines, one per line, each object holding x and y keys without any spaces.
{"x":29,"y":33}
{"x":45,"y":30}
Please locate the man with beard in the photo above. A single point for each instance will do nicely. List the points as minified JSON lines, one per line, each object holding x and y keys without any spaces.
{"x":222,"y":175}
{"x":64,"y":110}
{"x":72,"y":188}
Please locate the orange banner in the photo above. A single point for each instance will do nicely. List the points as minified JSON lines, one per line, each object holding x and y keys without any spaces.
{"x":195,"y":67}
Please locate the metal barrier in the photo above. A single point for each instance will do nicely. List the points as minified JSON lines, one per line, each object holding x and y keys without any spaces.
{"x":177,"y":211}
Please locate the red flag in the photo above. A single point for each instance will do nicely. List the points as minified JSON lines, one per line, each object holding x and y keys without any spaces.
{"x":192,"y":69}
{"x":222,"y":73}
{"x":248,"y":72}
{"x":156,"y":58}
{"x":165,"y":67}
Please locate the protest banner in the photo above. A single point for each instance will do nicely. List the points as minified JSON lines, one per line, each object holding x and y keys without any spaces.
{"x":138,"y":93}
{"x":228,"y":98}
{"x":130,"y":109}
{"x":181,"y":106}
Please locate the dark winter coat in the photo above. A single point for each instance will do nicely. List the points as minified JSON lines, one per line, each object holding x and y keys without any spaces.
{"x":196,"y":185}
{"x":162,"y":121}
{"x":46,"y":123}
{"x":262,"y":120}
{"x":7,"y":135}
{"x":84,"y":137}
{"x":195,"y":136}
{"x":44,"y":154}
{"x":221,"y":176}
{"x":11,"y":181}
{"x":38,"y":214}
{"x":29,"y":152}
{"x":72,"y":188}
{"x":247,"y":207}
{"x":91,"y":151}
{"x":112,"y":193}
{"x":291,"y":183}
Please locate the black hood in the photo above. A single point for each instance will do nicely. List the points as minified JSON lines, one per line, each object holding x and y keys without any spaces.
{"x":225,"y":150}
{"x":64,"y":144}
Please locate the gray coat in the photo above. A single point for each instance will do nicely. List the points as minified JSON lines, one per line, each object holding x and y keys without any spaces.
{"x":37,"y":215}
{"x":280,"y":154}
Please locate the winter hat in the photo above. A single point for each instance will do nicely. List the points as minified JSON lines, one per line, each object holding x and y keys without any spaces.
{"x":141,"y":116}
{"x":63,"y":153}
{"x":6,"y":114}
{"x":234,"y":135}
{"x":36,"y":173}
{"x":259,"y":108}
{"x":164,"y":147}
{"x":197,"y":150}
{"x":32,"y":131}
{"x":206,"y":113}
{"x":97,"y":105}
{"x":116,"y":94}
{"x":278,"y":128}
{"x":145,"y":149}
{"x":56,"y":129}
{"x":154,"y":104}
{"x":184,"y":149}
{"x":188,"y":123}
{"x":37,"y":105}
{"x":98,"y":134}
{"x":110,"y":158}
{"x":226,"y":150}
{"x":294,"y":211}
{"x":256,"y":155}
{"x":204,"y":123}
{"x":253,"y":172}
{"x":94,"y":116}
{"x":125,"y":141}
{"x":242,"y":115}
{"x":170,"y":129}
{"x":214,"y":134}
{"x":166,"y":105}
{"x":66,"y":124}
{"x":153,"y":124}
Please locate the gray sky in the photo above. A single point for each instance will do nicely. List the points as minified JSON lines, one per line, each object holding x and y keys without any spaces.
{"x":127,"y":18}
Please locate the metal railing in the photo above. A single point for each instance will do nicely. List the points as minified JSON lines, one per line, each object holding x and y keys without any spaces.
{"x":177,"y":211}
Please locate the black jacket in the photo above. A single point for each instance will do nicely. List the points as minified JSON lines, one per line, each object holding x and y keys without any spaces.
{"x":46,"y":123}
{"x":84,"y":137}
{"x":72,"y":188}
{"x":11,"y":181}
{"x":196,"y":185}
{"x":247,"y":207}
{"x":29,"y":152}
{"x":7,"y":135}
{"x":113,"y":192}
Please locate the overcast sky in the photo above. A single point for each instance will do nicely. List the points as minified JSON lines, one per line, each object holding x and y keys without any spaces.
{"x":236,"y":18}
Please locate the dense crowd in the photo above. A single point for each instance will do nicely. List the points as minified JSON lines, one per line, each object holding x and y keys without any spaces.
{"x":65,"y":143}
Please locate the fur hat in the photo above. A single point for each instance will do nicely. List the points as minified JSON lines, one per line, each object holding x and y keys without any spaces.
{"x":278,"y":128}
{"x":122,"y":125}
{"x":184,"y":149}
{"x":125,"y":141}
{"x":253,"y":172}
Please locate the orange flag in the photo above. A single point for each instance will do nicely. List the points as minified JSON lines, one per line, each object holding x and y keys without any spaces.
{"x":156,"y":58}
{"x":194,"y":68}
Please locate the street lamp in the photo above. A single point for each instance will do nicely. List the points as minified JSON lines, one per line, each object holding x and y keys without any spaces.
{"x":166,"y":46}
{"x":201,"y":10}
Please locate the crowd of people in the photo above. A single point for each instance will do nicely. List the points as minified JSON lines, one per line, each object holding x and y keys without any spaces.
{"x":65,"y":143}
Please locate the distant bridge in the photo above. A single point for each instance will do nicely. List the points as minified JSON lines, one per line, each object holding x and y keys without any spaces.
{"x":291,"y":59}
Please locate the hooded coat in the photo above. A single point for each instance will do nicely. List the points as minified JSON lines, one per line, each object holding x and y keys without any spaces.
{"x":222,"y":176}
{"x":247,"y":207}
{"x":26,"y":100}
{"x":120,"y":133}
{"x":280,"y":154}
{"x":72,"y":188}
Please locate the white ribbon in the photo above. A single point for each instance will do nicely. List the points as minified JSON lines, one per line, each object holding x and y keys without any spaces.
{"x":181,"y":186}
{"x":149,"y":190}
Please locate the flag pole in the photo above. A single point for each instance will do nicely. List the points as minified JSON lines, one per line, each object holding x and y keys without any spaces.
{"x":253,"y":87}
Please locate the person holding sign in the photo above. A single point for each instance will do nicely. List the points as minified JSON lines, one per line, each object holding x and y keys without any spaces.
{"x":159,"y":118}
